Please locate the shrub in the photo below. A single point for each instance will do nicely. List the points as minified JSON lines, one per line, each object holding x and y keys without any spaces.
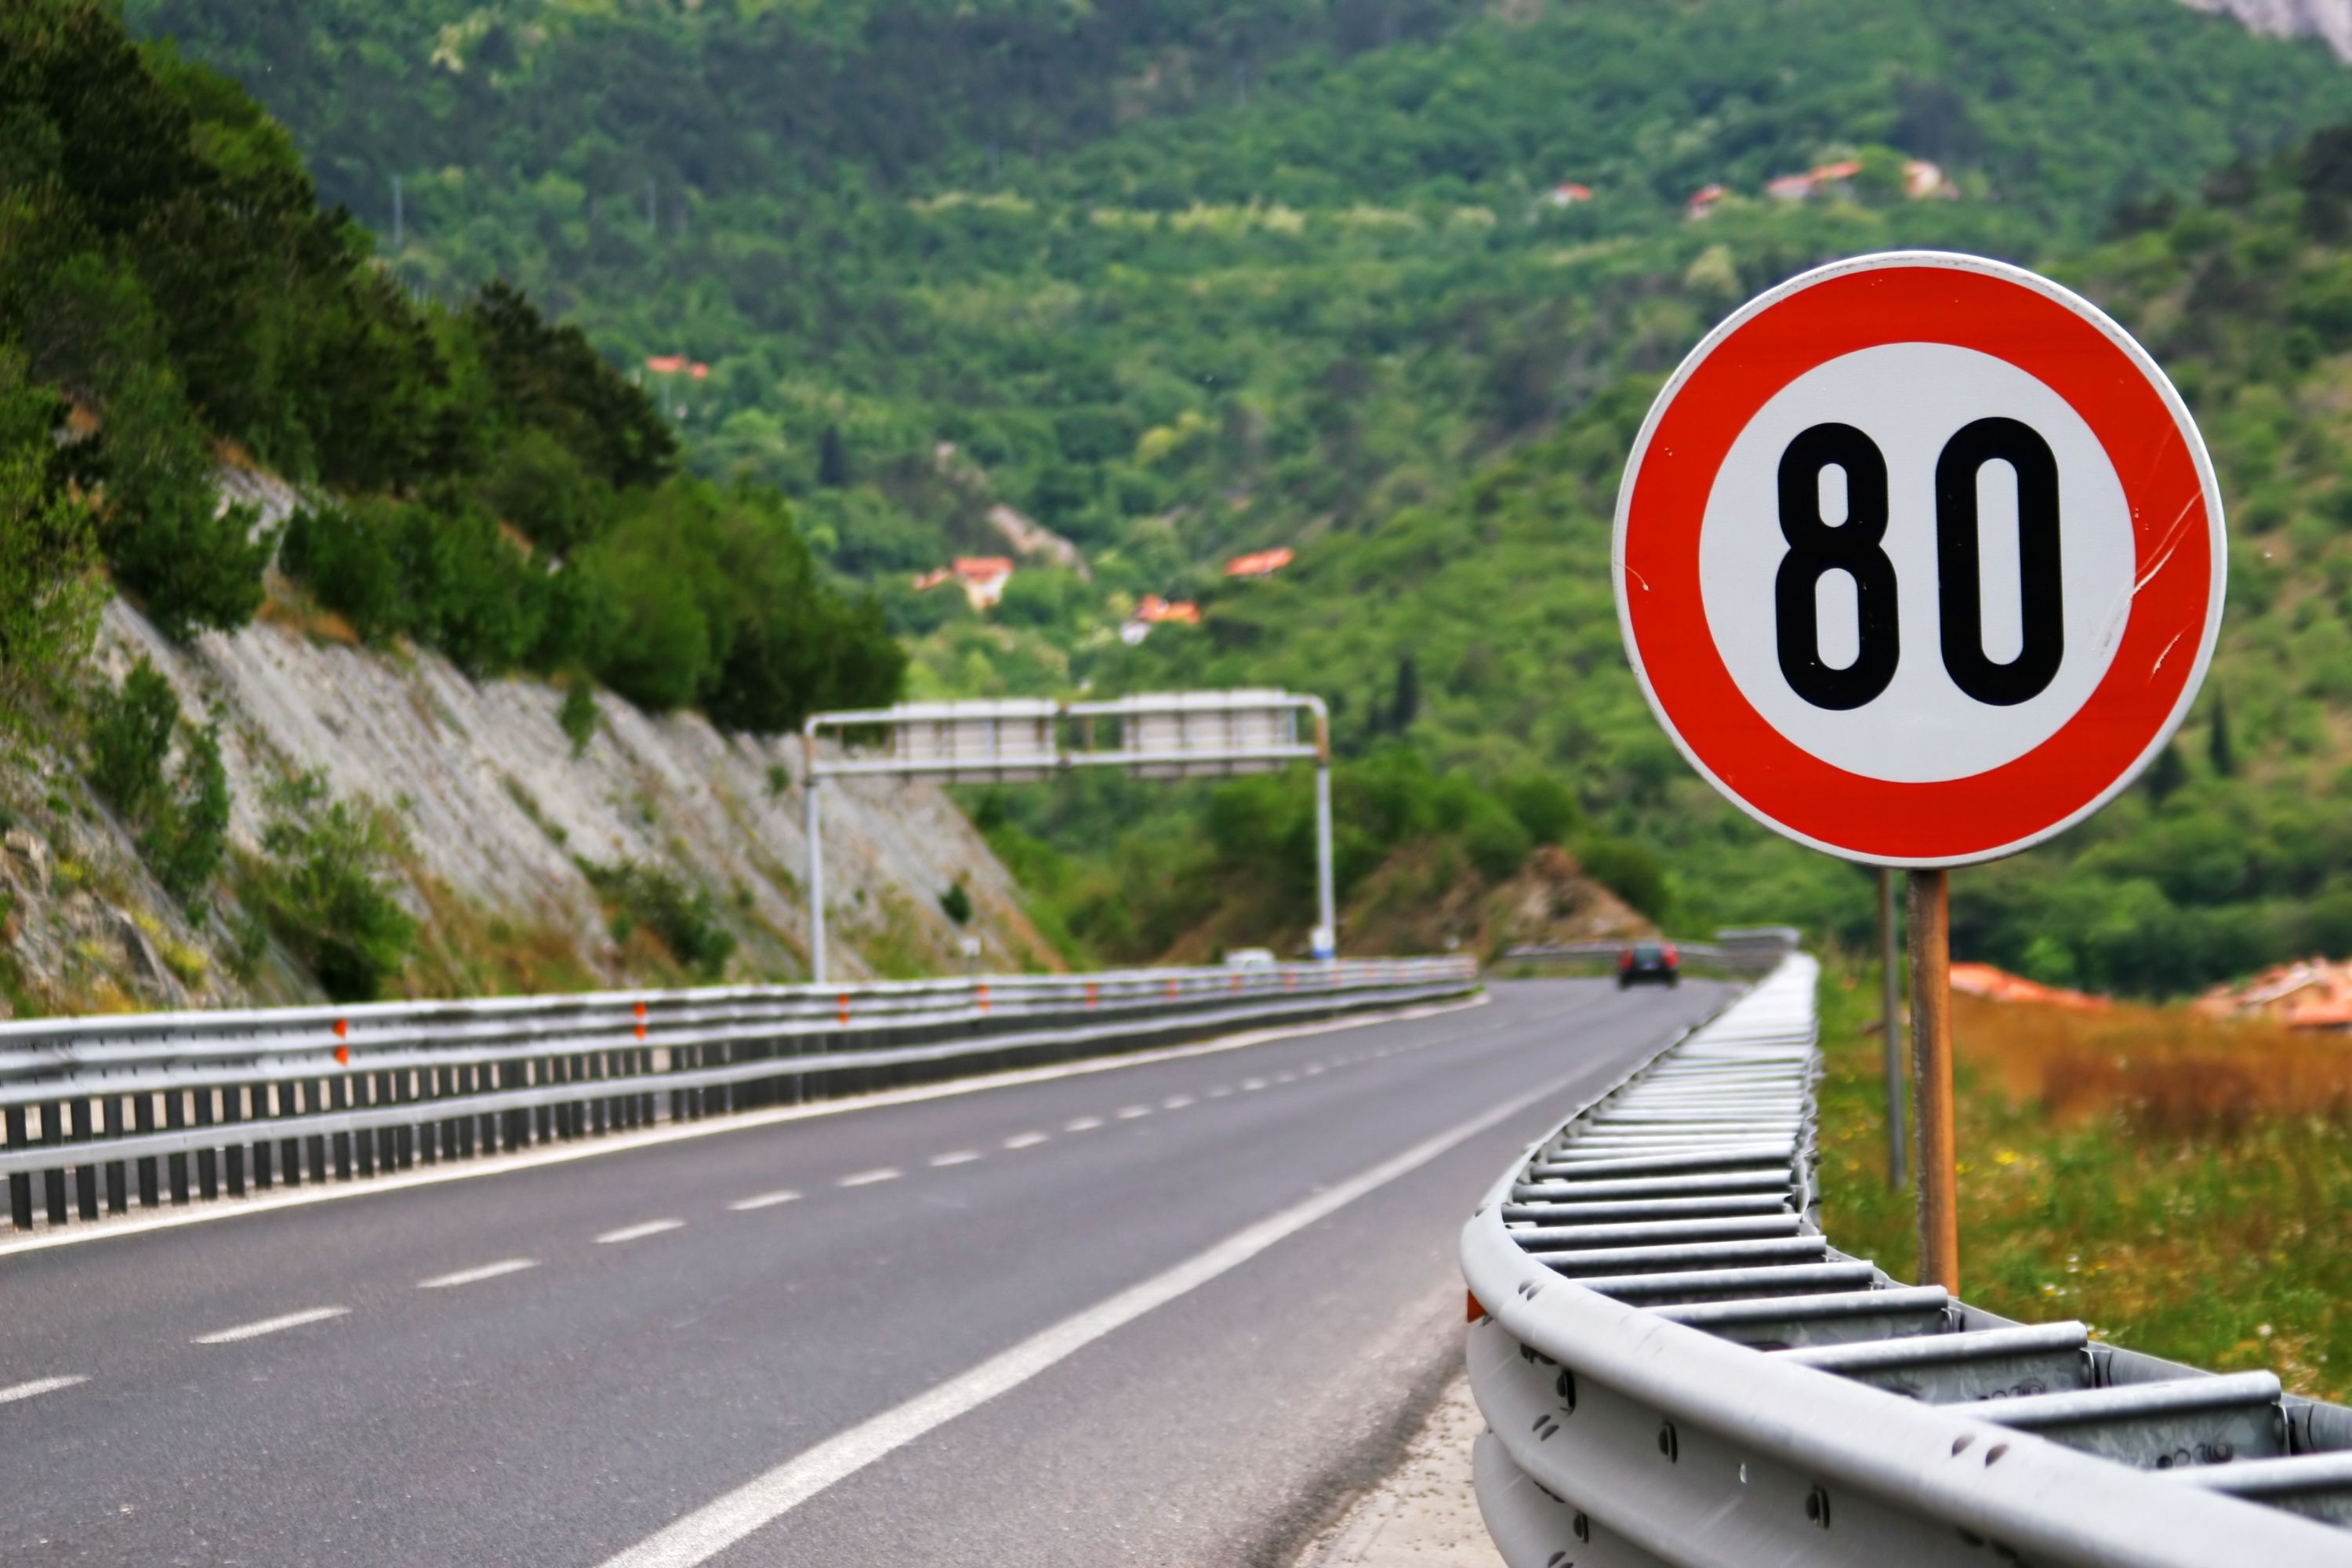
{"x":578,"y":716}
{"x":187,"y":838}
{"x":129,"y":736}
{"x":956,"y":904}
{"x":1496,"y":841}
{"x":684,"y":920}
{"x":322,"y":891}
{"x":1628,"y":870}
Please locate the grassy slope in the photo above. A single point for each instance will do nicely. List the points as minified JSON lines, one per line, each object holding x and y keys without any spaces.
{"x":2177,"y":1184}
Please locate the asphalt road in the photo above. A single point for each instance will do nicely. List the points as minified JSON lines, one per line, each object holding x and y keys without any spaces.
{"x":557,"y":1365}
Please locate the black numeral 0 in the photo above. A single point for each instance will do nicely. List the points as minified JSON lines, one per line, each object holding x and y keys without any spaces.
{"x":2042,"y":604}
{"x":1815,"y":547}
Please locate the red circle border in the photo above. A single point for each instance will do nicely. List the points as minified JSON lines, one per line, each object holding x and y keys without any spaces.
{"x":2081,"y":356}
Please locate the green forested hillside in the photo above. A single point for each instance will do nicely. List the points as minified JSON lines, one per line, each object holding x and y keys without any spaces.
{"x":1188,"y":276}
{"x":1177,"y":280}
{"x":172,"y":294}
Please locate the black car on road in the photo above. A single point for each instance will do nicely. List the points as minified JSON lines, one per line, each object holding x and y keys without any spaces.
{"x":1649,"y":962}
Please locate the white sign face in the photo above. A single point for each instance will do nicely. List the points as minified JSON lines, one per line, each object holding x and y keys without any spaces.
{"x":1909,"y":400}
{"x":1919,"y":558}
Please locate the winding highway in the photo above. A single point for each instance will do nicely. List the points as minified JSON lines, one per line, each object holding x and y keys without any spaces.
{"x":1169,"y":1311}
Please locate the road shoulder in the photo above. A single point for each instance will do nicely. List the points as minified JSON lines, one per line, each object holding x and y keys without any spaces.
{"x":1422,"y":1514}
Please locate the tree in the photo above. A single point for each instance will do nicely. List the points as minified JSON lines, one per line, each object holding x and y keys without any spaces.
{"x":832,"y":459}
{"x":2167,"y":773}
{"x":2218,"y":749}
{"x":1406,"y":704}
{"x":49,"y":591}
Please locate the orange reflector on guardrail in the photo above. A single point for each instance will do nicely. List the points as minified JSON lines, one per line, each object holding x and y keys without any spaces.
{"x":984,"y":996}
{"x":342,"y":1053}
{"x":342,"y":1028}
{"x":1090,"y":994}
{"x":843,"y":1011}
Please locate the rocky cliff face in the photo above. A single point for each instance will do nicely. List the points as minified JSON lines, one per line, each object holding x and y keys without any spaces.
{"x":2328,"y":19}
{"x":499,"y":815}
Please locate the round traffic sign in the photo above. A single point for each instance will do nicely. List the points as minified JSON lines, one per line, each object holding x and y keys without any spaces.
{"x":1919,"y":558}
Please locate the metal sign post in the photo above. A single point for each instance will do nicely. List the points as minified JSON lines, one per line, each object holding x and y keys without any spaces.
{"x":1994,"y":546}
{"x":1931,"y":1050}
{"x":1891,"y":1028}
{"x":1173,"y":735}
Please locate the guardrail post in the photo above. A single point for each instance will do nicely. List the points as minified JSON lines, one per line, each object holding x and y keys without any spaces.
{"x":142,"y":1117}
{"x":85,"y":1124}
{"x":20,"y":1182}
{"x":175,"y":1116}
{"x":53,"y":1181}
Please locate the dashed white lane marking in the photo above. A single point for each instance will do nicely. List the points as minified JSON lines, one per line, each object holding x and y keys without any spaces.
{"x":1176,"y":1102}
{"x":956,"y":1157}
{"x":765,"y":1200}
{"x":1310,"y":1070}
{"x":1083,"y":1124}
{"x":639,"y":1231}
{"x":1129,"y":1113}
{"x":727,"y":1519}
{"x":1025,"y":1139}
{"x":867,"y":1178}
{"x":1221,"y":1091}
{"x":269,"y":1326}
{"x":477,"y":1274}
{"x":14,"y":1391}
{"x":1253,"y":1083}
{"x":1285,"y":1078}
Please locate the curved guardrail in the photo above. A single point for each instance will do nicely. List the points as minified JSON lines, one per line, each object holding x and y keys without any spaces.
{"x":1677,"y":1367}
{"x":196,"y":1103}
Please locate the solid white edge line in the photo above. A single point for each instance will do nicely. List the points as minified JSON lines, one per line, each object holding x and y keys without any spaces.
{"x":642,"y":1229}
{"x":726,"y":1519}
{"x":268,"y":1326}
{"x":39,"y":1385}
{"x":475,"y":1276}
{"x":734,"y":1121}
{"x":765,"y":1200}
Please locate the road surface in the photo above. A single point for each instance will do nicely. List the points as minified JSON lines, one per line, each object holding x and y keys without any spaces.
{"x":1170,"y":1313}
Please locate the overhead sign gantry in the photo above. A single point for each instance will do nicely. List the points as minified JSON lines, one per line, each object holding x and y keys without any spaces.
{"x":1017,"y":739}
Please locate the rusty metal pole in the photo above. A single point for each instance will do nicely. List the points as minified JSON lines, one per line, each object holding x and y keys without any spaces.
{"x":1931,"y":1077}
{"x":1891,"y":1029}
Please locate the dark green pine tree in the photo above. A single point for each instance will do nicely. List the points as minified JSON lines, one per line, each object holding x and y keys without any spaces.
{"x":832,"y":459}
{"x":1407,"y":700}
{"x":2223,"y":753}
{"x":2167,"y":773}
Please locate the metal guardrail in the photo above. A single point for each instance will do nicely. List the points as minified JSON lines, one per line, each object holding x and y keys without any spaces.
{"x":1749,"y":949}
{"x":1676,"y":1367}
{"x":195,"y":1104}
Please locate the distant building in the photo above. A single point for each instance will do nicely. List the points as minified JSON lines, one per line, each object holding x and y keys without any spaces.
{"x":1703,"y":200}
{"x":1790,"y":188}
{"x":1260,"y":562}
{"x":982,"y":578}
{"x":666,"y":364}
{"x":1922,"y":179}
{"x":1567,"y":193}
{"x":1155,"y":611}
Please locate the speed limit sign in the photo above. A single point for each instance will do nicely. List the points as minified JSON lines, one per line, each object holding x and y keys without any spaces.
{"x":1919,"y":558}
